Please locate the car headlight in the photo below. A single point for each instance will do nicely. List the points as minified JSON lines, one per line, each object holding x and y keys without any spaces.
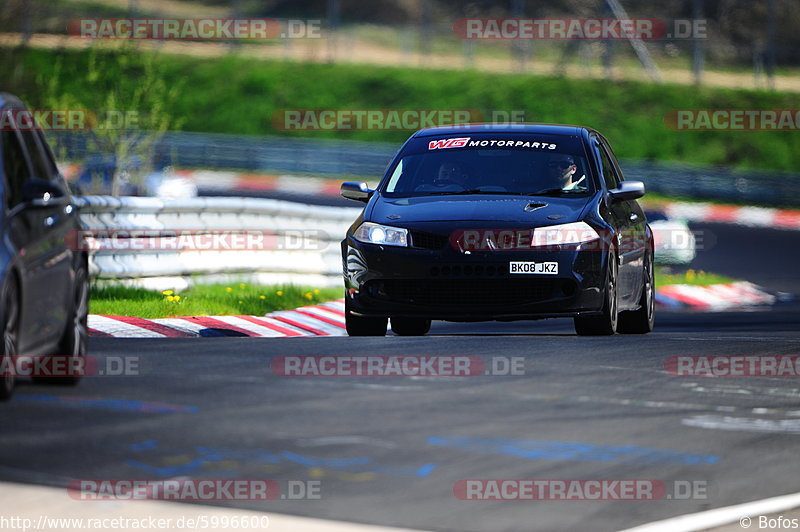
{"x":373,"y":233}
{"x":571,"y":233}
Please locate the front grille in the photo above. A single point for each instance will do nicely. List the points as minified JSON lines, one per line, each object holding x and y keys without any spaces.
{"x":458,"y":270}
{"x":421,"y":239}
{"x":465,"y":291}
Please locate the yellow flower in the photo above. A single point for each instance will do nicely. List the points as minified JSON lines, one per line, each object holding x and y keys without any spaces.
{"x":263,"y":297}
{"x":177,"y":298}
{"x":690,"y":275}
{"x":279,"y":292}
{"x":167,"y":292}
{"x":170,"y":298}
{"x":229,"y":289}
{"x":242,"y":285}
{"x":316,"y":291}
{"x":309,"y":296}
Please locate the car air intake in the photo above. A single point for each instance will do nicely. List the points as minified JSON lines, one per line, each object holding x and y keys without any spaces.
{"x":443,"y":292}
{"x":424,"y":240}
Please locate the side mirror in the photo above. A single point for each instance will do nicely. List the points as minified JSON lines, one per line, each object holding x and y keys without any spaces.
{"x":627,"y":190}
{"x":41,"y":193}
{"x":356,"y":190}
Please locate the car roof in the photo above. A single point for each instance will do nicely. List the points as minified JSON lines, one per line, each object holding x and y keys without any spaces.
{"x":540,"y":129}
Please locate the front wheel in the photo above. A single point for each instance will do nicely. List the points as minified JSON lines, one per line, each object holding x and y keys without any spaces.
{"x":10,"y":338}
{"x":73,"y":344}
{"x":606,"y":323}
{"x":641,"y":321}
{"x":363,"y":326}
{"x":411,"y":326}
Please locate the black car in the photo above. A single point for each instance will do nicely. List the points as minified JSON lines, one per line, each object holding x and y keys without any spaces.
{"x":44,"y":285}
{"x":489,"y":222}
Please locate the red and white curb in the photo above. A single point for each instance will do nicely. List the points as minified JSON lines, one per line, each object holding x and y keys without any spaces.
{"x":238,"y":181}
{"x":325,"y":319}
{"x":733,"y":214}
{"x":714,"y":297}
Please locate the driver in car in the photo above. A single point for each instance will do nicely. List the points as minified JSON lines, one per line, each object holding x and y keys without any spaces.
{"x":451,"y":173}
{"x":562,"y":169}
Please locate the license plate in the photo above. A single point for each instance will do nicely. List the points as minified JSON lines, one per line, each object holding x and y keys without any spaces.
{"x":533,"y":268}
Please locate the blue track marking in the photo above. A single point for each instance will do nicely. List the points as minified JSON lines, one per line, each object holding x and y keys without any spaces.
{"x":571,"y":450}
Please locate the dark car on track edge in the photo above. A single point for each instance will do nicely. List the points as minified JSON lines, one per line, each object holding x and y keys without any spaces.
{"x":44,"y":286}
{"x":500,"y":222}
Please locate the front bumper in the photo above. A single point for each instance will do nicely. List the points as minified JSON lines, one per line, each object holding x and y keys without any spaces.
{"x":446,"y":284}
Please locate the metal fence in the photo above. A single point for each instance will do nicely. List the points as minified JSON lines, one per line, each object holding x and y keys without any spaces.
{"x":163,"y":244}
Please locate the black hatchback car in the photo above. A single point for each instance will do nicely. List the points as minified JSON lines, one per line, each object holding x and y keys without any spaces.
{"x":489,"y":222}
{"x":44,"y":288}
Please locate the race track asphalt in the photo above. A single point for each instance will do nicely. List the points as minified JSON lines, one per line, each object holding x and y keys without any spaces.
{"x":389,"y":450}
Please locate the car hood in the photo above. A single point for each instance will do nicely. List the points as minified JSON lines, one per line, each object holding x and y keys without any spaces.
{"x":484,"y":208}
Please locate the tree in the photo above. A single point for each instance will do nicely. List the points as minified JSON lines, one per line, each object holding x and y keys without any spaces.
{"x":128,"y":106}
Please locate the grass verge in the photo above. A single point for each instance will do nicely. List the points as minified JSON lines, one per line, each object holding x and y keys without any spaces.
{"x":242,"y":95}
{"x":205,"y":300}
{"x":666,"y":276}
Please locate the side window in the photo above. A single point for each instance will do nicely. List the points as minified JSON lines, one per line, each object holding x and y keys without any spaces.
{"x":15,"y":167}
{"x":398,"y":171}
{"x":40,"y":167}
{"x":609,"y":172}
{"x":47,"y":156}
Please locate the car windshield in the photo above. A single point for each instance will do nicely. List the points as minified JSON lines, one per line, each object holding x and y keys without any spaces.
{"x":490,"y":164}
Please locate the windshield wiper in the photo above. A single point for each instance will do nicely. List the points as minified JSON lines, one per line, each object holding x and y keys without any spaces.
{"x":471,"y":191}
{"x":555,"y":192}
{"x":546,"y":192}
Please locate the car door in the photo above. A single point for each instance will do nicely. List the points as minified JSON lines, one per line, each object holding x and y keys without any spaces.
{"x":622,"y":220}
{"x":44,"y":259}
{"x":634,"y":235}
{"x":23,"y":230}
{"x":55,"y":216}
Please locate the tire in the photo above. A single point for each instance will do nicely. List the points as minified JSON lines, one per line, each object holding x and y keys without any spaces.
{"x":606,"y":323}
{"x":411,"y":326}
{"x":10,"y":334}
{"x":362,"y":326}
{"x":74,"y":342}
{"x":641,"y":321}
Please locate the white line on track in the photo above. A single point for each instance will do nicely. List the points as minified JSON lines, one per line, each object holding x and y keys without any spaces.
{"x":721,"y":516}
{"x":36,"y":502}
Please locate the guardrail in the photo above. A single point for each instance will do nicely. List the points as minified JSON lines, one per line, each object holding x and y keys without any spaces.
{"x":162,"y":244}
